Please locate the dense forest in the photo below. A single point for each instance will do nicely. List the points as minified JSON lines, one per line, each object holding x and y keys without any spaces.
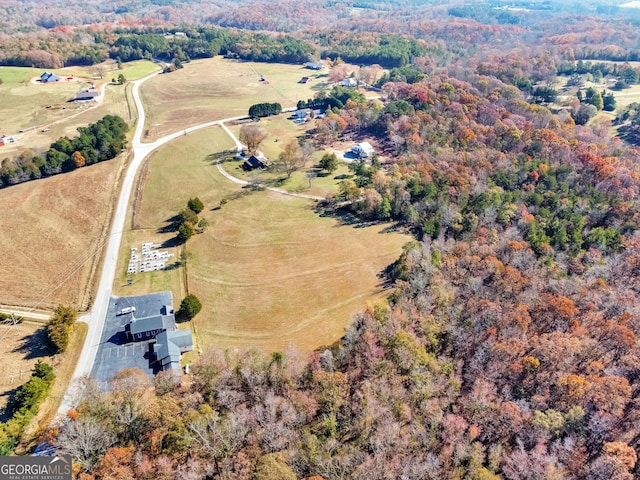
{"x":508,"y":347}
{"x":507,"y":350}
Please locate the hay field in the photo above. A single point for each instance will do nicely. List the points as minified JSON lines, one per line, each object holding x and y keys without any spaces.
{"x":51,"y":232}
{"x":273,"y":273}
{"x":269,"y":270}
{"x":216,"y":88}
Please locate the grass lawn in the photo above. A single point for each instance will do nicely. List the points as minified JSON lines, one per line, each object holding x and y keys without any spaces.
{"x":269,"y":271}
{"x":25,"y":104}
{"x":283,"y":130}
{"x":182,"y":169}
{"x":217,"y":88}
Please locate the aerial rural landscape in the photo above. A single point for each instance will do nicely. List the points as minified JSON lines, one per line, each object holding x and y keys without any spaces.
{"x":265,"y":239}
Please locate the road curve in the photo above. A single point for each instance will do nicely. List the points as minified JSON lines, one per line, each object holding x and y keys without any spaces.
{"x":97,"y":316}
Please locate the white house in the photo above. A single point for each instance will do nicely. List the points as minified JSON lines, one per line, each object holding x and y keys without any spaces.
{"x":349,"y":82}
{"x":362,"y":150}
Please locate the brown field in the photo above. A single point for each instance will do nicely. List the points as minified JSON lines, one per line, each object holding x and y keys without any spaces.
{"x":271,"y":273}
{"x":52,"y":231}
{"x":216,"y":88}
{"x":269,"y":270}
{"x":21,"y":346}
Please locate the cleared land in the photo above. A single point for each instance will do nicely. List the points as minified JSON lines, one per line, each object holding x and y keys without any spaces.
{"x":217,"y":88}
{"x":46,"y":106}
{"x":52,"y":231}
{"x":269,"y":270}
{"x":309,"y":179}
{"x":167,"y":180}
{"x":21,"y":347}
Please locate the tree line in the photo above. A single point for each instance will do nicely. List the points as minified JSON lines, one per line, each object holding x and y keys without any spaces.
{"x":97,"y":142}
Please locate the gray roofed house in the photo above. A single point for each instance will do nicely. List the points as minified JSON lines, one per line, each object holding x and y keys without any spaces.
{"x":169,"y":346}
{"x":87,"y":94}
{"x":314,"y":65}
{"x":149,"y":327}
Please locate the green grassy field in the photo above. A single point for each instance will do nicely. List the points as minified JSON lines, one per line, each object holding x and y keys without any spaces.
{"x":25,"y":104}
{"x":269,"y":270}
{"x":216,"y":88}
{"x":182,"y":169}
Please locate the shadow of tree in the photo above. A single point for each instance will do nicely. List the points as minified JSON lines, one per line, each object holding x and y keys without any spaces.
{"x":35,"y":345}
{"x":171,"y":225}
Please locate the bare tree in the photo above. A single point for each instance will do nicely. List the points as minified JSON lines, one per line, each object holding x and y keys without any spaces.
{"x":252,"y":136}
{"x":99,"y":70}
{"x":85,"y":440}
{"x":291,"y":159}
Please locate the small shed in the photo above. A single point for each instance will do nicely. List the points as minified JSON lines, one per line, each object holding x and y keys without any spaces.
{"x":305,"y":80}
{"x":253,"y":163}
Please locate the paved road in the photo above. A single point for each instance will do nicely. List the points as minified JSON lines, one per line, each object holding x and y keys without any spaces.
{"x":96,"y":318}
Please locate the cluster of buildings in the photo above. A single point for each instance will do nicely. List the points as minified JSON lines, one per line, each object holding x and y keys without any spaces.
{"x":148,"y":260}
{"x":166,"y":342}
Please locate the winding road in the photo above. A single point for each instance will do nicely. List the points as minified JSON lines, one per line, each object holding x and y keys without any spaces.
{"x":96,"y":317}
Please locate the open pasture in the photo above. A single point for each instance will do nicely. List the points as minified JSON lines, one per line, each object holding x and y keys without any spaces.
{"x":181,"y":168}
{"x":52,"y":232}
{"x":269,"y":270}
{"x":25,"y":104}
{"x":216,"y":88}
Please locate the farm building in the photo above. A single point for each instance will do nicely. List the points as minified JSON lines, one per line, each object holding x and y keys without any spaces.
{"x":305,"y":80}
{"x":88,"y":94}
{"x":314,"y":66}
{"x":168,"y":347}
{"x":149,"y":327}
{"x":253,"y":163}
{"x":362,"y":150}
{"x":47,"y":77}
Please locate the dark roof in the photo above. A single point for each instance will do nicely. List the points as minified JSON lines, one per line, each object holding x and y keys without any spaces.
{"x":156,"y":322}
{"x":169,"y":345}
{"x":46,"y":77}
{"x":253,"y":162}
